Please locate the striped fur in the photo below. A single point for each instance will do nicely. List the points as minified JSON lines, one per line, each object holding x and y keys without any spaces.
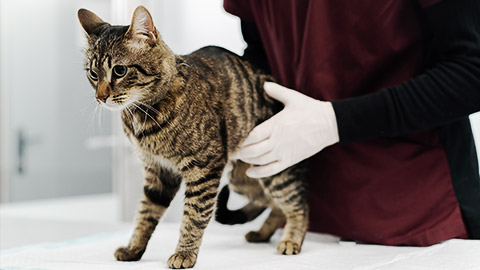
{"x":185,"y":115}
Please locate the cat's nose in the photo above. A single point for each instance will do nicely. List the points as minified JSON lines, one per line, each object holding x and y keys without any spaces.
{"x":103,"y":98}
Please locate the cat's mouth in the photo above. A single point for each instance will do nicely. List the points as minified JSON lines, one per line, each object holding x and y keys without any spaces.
{"x":117,"y":102}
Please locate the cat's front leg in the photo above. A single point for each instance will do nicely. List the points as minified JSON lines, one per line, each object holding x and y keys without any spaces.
{"x":200,"y":198}
{"x":160,"y":187}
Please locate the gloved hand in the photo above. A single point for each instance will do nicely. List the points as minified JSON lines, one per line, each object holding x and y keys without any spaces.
{"x":304,"y":127}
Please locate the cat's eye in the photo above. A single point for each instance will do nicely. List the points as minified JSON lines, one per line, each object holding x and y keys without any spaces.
{"x":93,"y":75}
{"x":120,"y":71}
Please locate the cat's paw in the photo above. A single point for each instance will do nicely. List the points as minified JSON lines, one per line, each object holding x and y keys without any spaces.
{"x":288,"y":248}
{"x":256,"y":237}
{"x":182,"y":260}
{"x":127,"y":254}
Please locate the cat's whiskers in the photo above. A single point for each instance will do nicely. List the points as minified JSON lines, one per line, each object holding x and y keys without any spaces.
{"x":144,"y":122}
{"x":86,"y":108}
{"x":90,"y":115}
{"x":100,"y":118}
{"x":149,"y":107}
{"x":133,"y":119}
{"x":154,"y":120}
{"x":91,"y":123}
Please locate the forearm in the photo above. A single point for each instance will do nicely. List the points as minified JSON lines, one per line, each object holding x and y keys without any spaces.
{"x":447,"y":90}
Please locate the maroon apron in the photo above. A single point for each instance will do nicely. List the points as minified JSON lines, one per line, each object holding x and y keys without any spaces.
{"x":394,"y":191}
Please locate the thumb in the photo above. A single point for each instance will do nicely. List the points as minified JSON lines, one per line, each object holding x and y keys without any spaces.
{"x":260,"y":132}
{"x":278,"y":92}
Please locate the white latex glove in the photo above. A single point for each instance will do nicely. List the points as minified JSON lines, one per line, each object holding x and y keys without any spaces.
{"x":304,"y":127}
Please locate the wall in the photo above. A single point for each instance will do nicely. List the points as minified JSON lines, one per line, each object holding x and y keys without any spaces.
{"x":4,"y":187}
{"x":475,"y":121}
{"x":51,"y":103}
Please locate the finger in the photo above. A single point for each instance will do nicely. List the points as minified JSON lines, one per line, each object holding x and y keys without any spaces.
{"x":259,"y":133}
{"x":265,"y":170}
{"x":278,"y":92}
{"x":255,"y":150}
{"x":261,"y":160}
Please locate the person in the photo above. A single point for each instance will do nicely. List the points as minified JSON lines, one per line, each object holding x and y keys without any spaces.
{"x":377,"y":95}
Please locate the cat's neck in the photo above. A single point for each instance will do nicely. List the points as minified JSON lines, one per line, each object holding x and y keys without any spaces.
{"x":156,"y":110}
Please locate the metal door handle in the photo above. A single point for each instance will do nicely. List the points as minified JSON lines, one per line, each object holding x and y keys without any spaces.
{"x":23,"y":142}
{"x":21,"y":152}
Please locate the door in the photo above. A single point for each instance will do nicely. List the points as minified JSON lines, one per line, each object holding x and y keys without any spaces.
{"x":47,"y":109}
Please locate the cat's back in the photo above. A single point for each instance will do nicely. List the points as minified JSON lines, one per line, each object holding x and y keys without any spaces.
{"x":213,"y":52}
{"x":220,"y":60}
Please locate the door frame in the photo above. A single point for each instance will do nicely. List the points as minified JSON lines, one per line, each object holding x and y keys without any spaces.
{"x":4,"y":110}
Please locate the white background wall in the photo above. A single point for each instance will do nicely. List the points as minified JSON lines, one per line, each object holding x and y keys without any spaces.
{"x":475,"y":120}
{"x":49,"y":100}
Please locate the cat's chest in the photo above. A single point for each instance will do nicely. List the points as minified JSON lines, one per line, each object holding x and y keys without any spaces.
{"x":148,"y":145}
{"x":148,"y":137}
{"x":151,"y":154}
{"x":163,"y":162}
{"x":151,"y":147}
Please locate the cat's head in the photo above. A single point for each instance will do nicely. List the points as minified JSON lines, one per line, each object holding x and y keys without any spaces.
{"x":126,"y":65}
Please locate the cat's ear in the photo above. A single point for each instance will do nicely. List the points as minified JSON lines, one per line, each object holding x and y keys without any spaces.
{"x":91,"y":23}
{"x":142,"y":28}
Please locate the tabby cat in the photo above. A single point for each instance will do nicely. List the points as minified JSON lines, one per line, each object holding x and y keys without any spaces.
{"x":185,"y":115}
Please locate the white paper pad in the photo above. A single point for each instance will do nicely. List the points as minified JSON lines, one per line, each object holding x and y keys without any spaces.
{"x":224,"y":247}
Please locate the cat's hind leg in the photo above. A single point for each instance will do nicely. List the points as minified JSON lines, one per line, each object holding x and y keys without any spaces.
{"x":294,"y":232}
{"x":271,"y":224}
{"x":289,"y":193}
{"x":161,"y":185}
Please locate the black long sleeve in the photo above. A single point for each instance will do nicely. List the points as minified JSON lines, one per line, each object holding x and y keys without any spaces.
{"x":255,"y":52}
{"x":448,"y":89}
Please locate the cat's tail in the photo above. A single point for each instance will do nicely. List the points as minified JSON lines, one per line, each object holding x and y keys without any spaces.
{"x":226,"y":216}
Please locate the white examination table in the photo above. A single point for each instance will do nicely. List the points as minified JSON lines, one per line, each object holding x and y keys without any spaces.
{"x":224,"y":247}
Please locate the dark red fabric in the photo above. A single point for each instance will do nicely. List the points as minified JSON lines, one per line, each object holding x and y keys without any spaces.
{"x":427,"y":3}
{"x":394,"y":191}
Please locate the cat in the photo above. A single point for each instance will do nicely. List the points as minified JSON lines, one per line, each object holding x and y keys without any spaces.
{"x":185,"y":116}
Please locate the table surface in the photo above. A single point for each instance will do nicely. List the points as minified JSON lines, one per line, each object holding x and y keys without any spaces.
{"x":224,"y":247}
